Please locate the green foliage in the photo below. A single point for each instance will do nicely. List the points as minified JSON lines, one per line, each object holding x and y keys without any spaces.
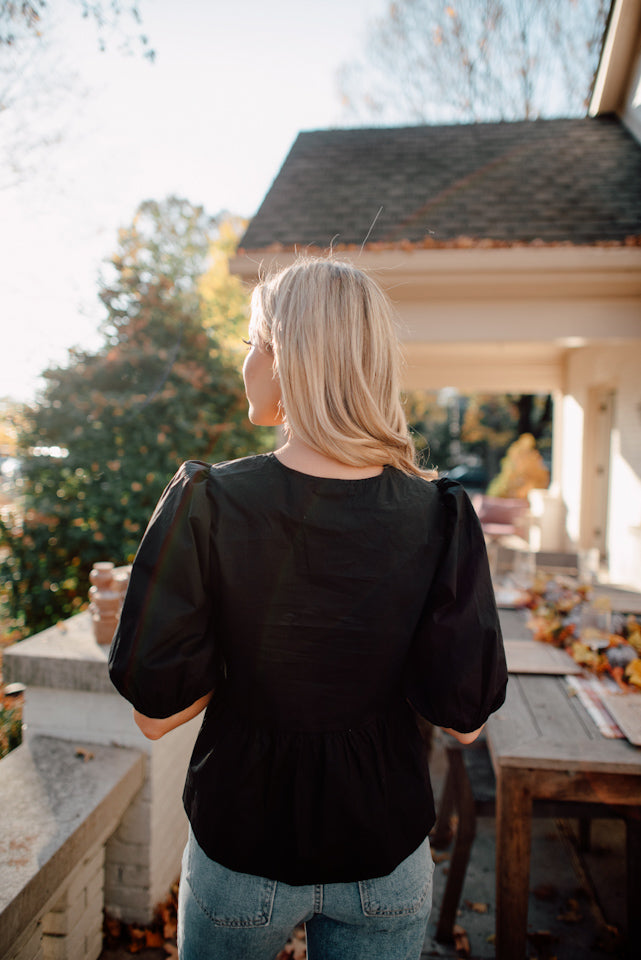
{"x":451,"y":429}
{"x":10,"y":728}
{"x":429,"y":425}
{"x":164,"y":388}
{"x":493,"y":421}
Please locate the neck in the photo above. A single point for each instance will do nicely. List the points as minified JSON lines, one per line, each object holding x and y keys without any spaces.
{"x":297,"y":455}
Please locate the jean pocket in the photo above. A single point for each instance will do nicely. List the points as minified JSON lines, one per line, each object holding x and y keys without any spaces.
{"x":228,"y":898}
{"x":402,"y":892}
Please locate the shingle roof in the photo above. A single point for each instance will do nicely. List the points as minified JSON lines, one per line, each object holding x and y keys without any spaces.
{"x":557,"y":181}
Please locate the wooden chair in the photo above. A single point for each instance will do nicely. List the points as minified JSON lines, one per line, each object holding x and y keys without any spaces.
{"x":502,"y":516}
{"x":470,"y":792}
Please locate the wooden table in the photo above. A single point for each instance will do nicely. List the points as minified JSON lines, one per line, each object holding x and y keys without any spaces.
{"x":544,"y":745}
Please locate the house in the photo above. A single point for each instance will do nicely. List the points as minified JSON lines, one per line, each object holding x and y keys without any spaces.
{"x":512,"y":252}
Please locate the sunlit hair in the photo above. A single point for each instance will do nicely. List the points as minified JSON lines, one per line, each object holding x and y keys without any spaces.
{"x":337,"y":356}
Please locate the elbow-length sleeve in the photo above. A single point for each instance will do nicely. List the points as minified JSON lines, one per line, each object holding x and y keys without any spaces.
{"x":456,"y":674}
{"x":163,"y":655}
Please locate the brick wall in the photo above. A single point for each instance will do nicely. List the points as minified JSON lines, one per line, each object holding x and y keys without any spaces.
{"x":142,"y":858}
{"x":72,"y":930}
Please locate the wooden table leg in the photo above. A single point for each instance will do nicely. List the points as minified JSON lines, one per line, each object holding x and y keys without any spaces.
{"x":633,"y":865}
{"x":513,"y":843}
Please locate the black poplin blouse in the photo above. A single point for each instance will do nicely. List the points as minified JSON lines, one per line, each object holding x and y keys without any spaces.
{"x":318,"y":610}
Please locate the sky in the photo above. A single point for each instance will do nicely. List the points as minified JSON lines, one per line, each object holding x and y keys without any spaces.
{"x":212,"y":119}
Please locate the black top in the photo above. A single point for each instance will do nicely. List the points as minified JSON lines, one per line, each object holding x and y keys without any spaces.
{"x":316,"y":609}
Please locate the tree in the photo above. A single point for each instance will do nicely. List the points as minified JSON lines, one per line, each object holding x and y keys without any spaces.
{"x":430,"y":426}
{"x":24,"y":19}
{"x":162,"y":389}
{"x":35,"y":79}
{"x":430,"y":61}
{"x":493,"y":421}
{"x":522,"y":470}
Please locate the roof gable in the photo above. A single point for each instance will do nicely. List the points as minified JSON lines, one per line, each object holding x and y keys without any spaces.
{"x":557,"y":181}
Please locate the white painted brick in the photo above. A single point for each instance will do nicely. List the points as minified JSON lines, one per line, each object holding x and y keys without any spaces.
{"x":57,"y":923}
{"x":82,"y":897}
{"x":91,"y":866}
{"x":131,"y":905}
{"x":93,"y":947}
{"x":95,"y":892}
{"x":72,"y":946}
{"x":134,"y":876}
{"x":62,"y":948}
{"x":126,"y":853}
{"x":135,"y":830}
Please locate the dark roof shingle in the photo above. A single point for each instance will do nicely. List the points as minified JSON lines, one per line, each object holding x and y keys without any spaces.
{"x":576,"y":181}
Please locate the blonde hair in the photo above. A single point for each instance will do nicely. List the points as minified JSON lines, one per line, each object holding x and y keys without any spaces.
{"x":337,"y":357}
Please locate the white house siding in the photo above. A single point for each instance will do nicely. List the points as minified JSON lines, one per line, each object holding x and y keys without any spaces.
{"x":593,"y":373}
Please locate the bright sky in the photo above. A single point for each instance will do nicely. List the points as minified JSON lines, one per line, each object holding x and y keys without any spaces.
{"x":212,"y":120}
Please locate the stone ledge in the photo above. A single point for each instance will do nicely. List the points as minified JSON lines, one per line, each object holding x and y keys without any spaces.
{"x":55,"y":806}
{"x":65,"y":656}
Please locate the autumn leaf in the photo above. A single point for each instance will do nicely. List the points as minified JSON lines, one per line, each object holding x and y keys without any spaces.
{"x":545,"y":891}
{"x":477,"y":907}
{"x":296,"y":946}
{"x":84,"y":754}
{"x":572,"y":914}
{"x":461,"y":941}
{"x":137,"y":939}
{"x":440,"y":857}
{"x":112,"y":930}
{"x":543,"y":941}
{"x":154,"y":939}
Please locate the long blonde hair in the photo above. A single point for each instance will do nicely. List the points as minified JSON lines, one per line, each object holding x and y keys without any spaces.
{"x":337,"y":357}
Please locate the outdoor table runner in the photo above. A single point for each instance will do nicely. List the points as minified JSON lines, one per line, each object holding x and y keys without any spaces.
{"x":592,"y":691}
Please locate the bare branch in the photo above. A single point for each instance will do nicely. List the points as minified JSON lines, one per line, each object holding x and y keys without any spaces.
{"x":430,"y":61}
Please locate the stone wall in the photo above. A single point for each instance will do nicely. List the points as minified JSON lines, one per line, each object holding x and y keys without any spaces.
{"x":69,"y":696}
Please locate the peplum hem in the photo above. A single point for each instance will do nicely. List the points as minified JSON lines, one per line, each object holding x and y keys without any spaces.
{"x":303,"y":807}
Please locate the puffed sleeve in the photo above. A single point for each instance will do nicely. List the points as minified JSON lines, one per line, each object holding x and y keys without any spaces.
{"x":163,"y":655}
{"x":456,"y":673}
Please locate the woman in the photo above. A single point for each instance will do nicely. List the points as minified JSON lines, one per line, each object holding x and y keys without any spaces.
{"x":306,"y":598}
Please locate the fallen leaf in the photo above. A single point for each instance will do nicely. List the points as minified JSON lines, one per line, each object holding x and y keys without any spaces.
{"x":440,"y":857}
{"x":543,"y":941}
{"x":296,"y":946}
{"x":136,"y":940}
{"x":84,"y":753}
{"x":572,"y":914}
{"x":545,"y":891}
{"x":461,"y":941}
{"x":112,"y":927}
{"x":154,"y":939}
{"x":491,"y":938}
{"x":477,"y":907}
{"x":610,"y":941}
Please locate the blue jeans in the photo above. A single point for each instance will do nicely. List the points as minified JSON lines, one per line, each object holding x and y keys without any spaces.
{"x":224,"y":915}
